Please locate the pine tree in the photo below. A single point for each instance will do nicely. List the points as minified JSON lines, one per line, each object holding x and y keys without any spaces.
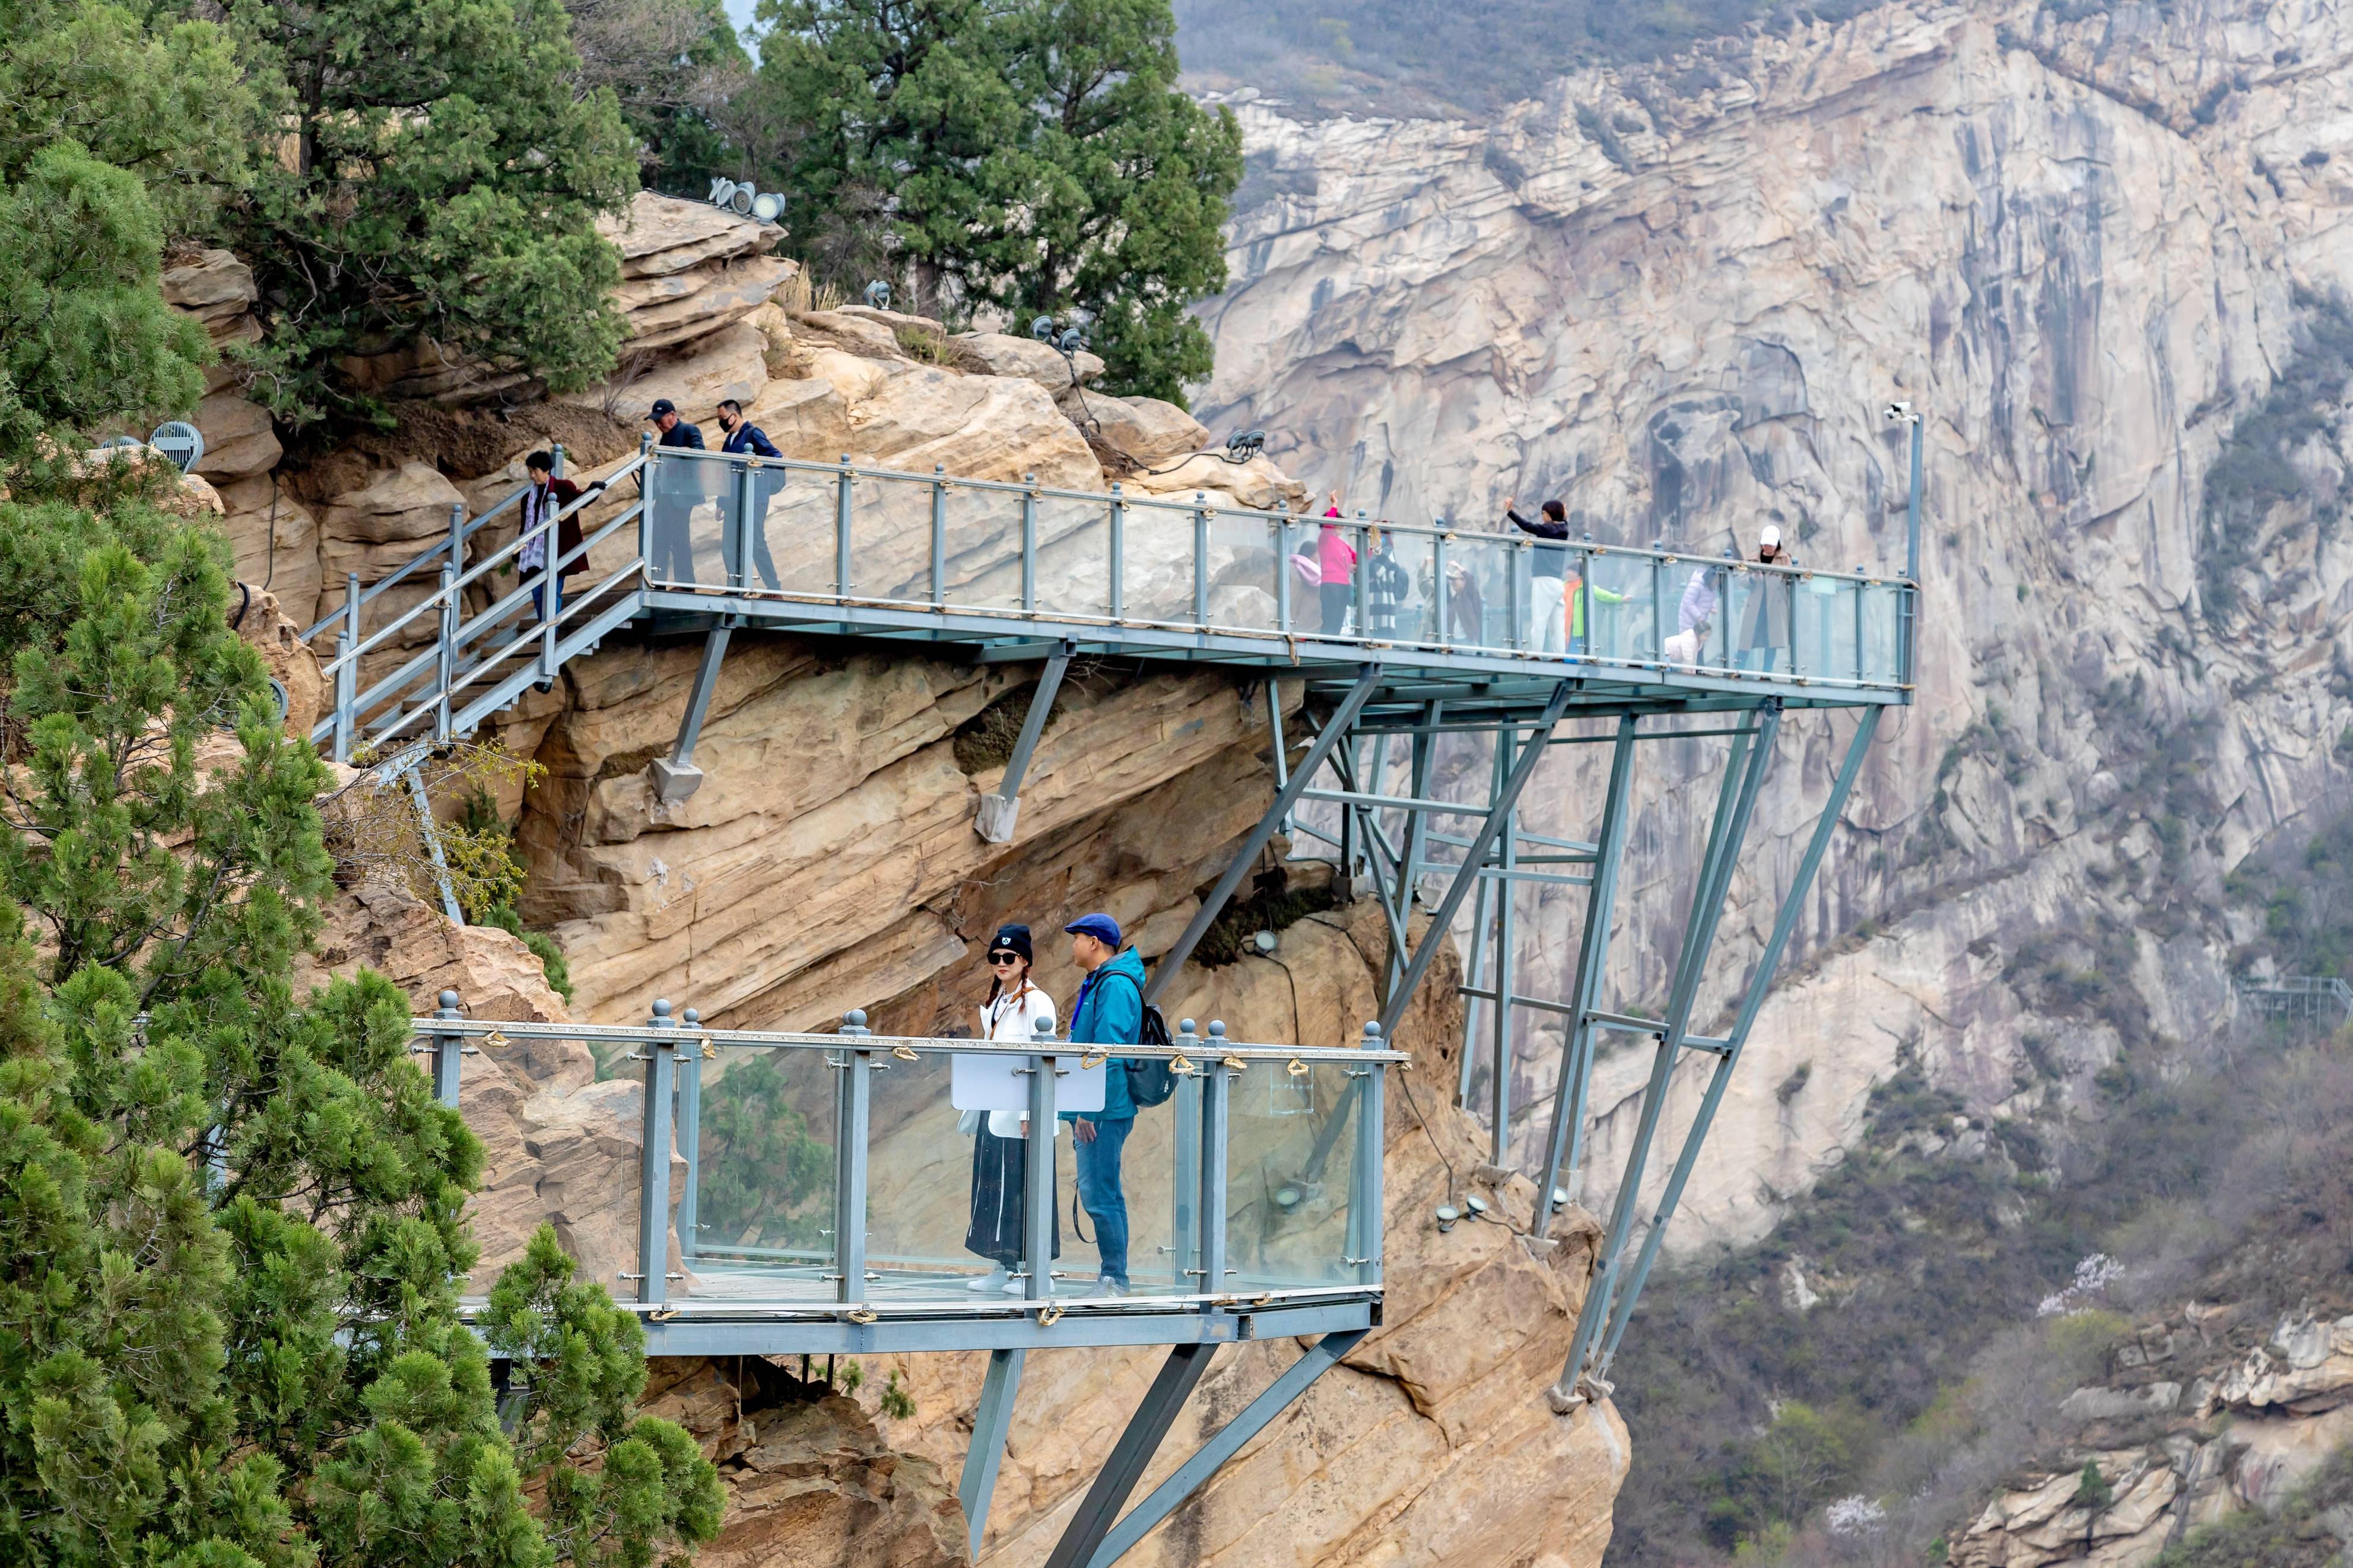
{"x":231,"y":1220}
{"x":1028,"y":157}
{"x":437,"y":187}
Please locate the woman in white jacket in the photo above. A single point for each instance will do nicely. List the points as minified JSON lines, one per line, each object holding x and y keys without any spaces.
{"x":999,"y":1138}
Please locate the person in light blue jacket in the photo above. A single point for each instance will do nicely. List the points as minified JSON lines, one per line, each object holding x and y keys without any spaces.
{"x":1109,"y":1012}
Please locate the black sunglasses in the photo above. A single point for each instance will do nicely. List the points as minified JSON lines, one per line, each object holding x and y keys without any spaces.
{"x":1004,"y":958}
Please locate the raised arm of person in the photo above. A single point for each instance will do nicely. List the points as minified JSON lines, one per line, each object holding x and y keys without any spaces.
{"x":1543,"y":528}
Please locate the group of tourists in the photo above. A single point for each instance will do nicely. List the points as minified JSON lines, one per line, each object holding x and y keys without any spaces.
{"x":1110,"y":1011}
{"x":1559,"y":596}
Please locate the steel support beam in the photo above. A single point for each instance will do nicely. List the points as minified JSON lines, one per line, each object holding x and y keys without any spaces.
{"x":1499,"y":811}
{"x":999,"y":811}
{"x":1507,"y":920}
{"x":989,"y":1424}
{"x":1784,"y":923}
{"x":653,"y":1163}
{"x":1368,"y":678}
{"x":427,"y":830}
{"x":676,"y":777}
{"x":1099,"y":1510}
{"x":1565,"y":1139}
{"x":1733,"y":809}
{"x":1195,"y":1472}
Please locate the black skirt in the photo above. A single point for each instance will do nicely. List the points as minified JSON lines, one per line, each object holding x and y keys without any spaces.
{"x":1000,"y":1176}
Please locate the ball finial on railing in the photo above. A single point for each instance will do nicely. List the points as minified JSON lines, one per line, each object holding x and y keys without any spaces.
{"x":448,"y":1001}
{"x":691,"y":1017}
{"x":661,"y":1007}
{"x":1043,"y":1028}
{"x":1217,"y":1029}
{"x":1185,"y":1028}
{"x":854,"y":1021}
{"x":1372,"y":1036}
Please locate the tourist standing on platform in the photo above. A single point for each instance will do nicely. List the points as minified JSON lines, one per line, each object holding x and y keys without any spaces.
{"x":1000,"y":1150}
{"x":1768,"y":604}
{"x":1385,"y":586}
{"x":1549,"y":568}
{"x":1696,"y":616}
{"x":1335,"y":561}
{"x":675,"y":494}
{"x":745,"y":437}
{"x":1109,"y":1012}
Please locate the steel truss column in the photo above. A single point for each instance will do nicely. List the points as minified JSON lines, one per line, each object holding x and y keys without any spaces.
{"x":1784,"y":922}
{"x":1734,"y":807}
{"x":989,"y":1424}
{"x":999,"y":811}
{"x":676,"y":777}
{"x":1507,"y":902}
{"x":1567,"y":1138}
{"x":1098,"y":1510}
{"x":1254,"y":1419}
{"x":1342,"y":719}
{"x":1499,"y":811}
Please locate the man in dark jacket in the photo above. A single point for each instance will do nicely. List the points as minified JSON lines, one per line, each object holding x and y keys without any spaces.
{"x":546,"y":499}
{"x":1109,"y":1012}
{"x":744,"y":437}
{"x":678,"y":489}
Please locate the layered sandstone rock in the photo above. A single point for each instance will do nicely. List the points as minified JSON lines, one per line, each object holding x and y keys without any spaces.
{"x":689,"y":268}
{"x":2042,"y":231}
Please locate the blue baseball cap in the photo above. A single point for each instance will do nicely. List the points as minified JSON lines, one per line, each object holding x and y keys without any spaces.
{"x":1101,"y":926}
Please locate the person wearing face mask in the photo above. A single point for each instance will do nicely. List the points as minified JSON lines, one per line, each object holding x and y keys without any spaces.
{"x":744,"y":437}
{"x":1001,"y":1171}
{"x":1768,"y":630}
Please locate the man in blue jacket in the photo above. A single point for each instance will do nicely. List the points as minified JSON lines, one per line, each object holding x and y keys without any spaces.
{"x":1109,"y":1012}
{"x":744,"y":437}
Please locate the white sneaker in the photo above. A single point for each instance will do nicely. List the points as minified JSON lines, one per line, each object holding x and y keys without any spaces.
{"x":992,"y":1281}
{"x":1106,"y":1286}
{"x":1013,"y":1287}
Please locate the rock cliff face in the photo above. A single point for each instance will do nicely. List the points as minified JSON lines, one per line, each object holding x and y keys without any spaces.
{"x":1679,"y":297}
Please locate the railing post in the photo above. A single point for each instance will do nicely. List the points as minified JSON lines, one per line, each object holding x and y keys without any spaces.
{"x":1185,"y":1217}
{"x":1861,"y":591}
{"x":653,"y":1163}
{"x":1364,"y":1201}
{"x":939,"y":534}
{"x":344,"y":684}
{"x":556,"y":453}
{"x":448,"y":1052}
{"x":457,"y":535}
{"x":1583,"y":608}
{"x":689,"y":1132}
{"x":649,"y":474}
{"x":1038,"y":1173}
{"x":855,"y":1102}
{"x":1029,"y":545}
{"x":842,"y":503}
{"x":1217,"y":1106}
{"x":1515,"y":598}
{"x":1282,"y":572}
{"x":446,"y":663}
{"x":1118,"y":554}
{"x":1361,"y":597}
{"x":1200,"y":558}
{"x":1659,"y":633}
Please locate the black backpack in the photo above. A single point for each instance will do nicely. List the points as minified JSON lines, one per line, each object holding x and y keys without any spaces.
{"x":1149,"y":1081}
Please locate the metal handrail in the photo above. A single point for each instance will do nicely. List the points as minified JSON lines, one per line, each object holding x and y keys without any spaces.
{"x":439,"y":549}
{"x":1185,"y":508}
{"x":1198,"y":1048}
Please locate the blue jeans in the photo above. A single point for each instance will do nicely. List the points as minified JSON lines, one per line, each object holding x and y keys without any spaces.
{"x":1100,"y":1194}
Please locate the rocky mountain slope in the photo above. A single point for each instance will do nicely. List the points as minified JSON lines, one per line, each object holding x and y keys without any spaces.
{"x":2092,"y":243}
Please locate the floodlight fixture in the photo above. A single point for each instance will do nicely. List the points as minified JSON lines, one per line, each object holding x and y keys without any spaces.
{"x":878,"y":295}
{"x":1042,"y":329}
{"x":180,"y":441}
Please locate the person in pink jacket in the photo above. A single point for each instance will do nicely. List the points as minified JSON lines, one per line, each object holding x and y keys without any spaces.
{"x":1335,"y":559}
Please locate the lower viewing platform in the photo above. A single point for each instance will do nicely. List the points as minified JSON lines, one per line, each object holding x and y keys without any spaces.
{"x":829,"y":1193}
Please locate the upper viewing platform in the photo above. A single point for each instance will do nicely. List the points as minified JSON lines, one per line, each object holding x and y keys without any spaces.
{"x":1008,"y":570}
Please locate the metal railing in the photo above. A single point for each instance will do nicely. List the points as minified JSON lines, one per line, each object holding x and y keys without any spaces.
{"x":471,"y":666}
{"x":835,"y":545}
{"x":2299,"y":996}
{"x":787,"y":532}
{"x":836,"y":1174}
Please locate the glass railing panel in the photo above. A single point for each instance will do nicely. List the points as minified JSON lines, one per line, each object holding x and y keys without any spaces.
{"x":1074,"y":556}
{"x":1156,"y":556}
{"x":794,"y":514}
{"x":762,"y":1174}
{"x":1882,"y":628}
{"x":1626,"y":605}
{"x":690,"y":503}
{"x":1823,"y":628}
{"x":1160,"y":1181}
{"x":1488,"y":593}
{"x":1250,"y":577}
{"x":1397,"y":573}
{"x":984,"y":549}
{"x":1291,"y":1158}
{"x":890,"y":539}
{"x":920,"y":1170}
